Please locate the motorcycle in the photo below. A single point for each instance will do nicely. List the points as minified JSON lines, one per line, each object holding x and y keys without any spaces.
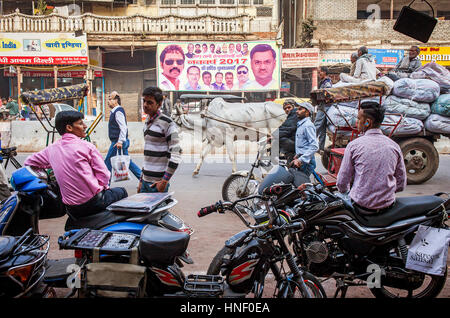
{"x":340,"y":242}
{"x":37,"y":196}
{"x":152,"y":268}
{"x":23,"y":266}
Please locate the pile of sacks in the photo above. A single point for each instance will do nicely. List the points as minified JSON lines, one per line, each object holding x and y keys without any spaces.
{"x":423,"y":99}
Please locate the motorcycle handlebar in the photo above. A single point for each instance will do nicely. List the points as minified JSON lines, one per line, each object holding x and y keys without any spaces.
{"x":274,"y":190}
{"x":210,"y":209}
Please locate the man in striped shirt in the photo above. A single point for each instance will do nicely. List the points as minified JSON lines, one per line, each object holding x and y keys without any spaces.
{"x":162,"y":151}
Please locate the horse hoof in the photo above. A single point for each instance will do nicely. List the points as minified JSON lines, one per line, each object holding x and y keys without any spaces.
{"x":194,"y":173}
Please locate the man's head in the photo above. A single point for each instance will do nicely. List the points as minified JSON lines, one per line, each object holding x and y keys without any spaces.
{"x":205,"y":48}
{"x":263,"y":62}
{"x":244,"y":47}
{"x":413,"y":52}
{"x":229,"y":78}
{"x":190,"y":48}
{"x":71,"y":122}
{"x":238,"y":47}
{"x":370,"y":115}
{"x":231,"y":48}
{"x":172,"y":61}
{"x":304,"y":110}
{"x":354,"y":57}
{"x":114,"y":99}
{"x":207,"y":78}
{"x":212,"y":48}
{"x":197,"y":48}
{"x":193,"y":76}
{"x":362,"y":50}
{"x":4,"y":101}
{"x":152,"y":100}
{"x":323,"y":72}
{"x":242,"y":73}
{"x":219,"y":77}
{"x":288,"y":105}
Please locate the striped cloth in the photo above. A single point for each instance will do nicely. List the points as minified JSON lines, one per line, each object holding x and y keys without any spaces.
{"x":162,"y":151}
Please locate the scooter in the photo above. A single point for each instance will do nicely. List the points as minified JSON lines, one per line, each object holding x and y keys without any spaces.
{"x":22,"y":266}
{"x":37,"y":197}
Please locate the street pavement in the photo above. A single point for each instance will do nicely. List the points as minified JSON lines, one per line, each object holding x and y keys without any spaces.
{"x":211,"y":232}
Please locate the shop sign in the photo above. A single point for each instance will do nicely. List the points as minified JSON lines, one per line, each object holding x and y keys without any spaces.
{"x":300,"y":58}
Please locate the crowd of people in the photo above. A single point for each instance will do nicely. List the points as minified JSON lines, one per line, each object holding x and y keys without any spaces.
{"x":9,"y":109}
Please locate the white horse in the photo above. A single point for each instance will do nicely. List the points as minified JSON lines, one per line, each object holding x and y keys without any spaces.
{"x":226,"y":122}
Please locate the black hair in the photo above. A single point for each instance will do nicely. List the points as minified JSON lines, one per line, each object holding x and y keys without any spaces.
{"x":241,"y":66}
{"x":67,"y":117}
{"x":154,"y":92}
{"x":171,"y":49}
{"x":324,"y":69}
{"x":206,"y":73}
{"x":374,"y":111}
{"x":117,"y":97}
{"x":263,"y":48}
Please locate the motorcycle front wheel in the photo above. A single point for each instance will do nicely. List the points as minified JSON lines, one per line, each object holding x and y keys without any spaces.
{"x":431,"y":287}
{"x":292,"y":289}
{"x":233,"y":188}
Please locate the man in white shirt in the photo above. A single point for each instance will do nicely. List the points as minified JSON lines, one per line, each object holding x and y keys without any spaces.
{"x":365,"y":68}
{"x":229,"y":81}
{"x":118,"y":133}
{"x":172,"y":64}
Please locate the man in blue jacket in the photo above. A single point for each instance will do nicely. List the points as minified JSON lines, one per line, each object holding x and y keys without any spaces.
{"x":118,"y":133}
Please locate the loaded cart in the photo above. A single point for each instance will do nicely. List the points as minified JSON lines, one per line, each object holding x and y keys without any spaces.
{"x":420,"y":155}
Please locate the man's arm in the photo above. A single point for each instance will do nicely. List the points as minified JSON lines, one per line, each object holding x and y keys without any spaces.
{"x":400,"y":173}
{"x":358,"y":68}
{"x":38,"y":160}
{"x":346,"y":171}
{"x":173,"y":141}
{"x":99,"y":168}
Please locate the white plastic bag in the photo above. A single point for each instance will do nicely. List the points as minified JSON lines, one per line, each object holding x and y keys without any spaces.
{"x":120,"y":167}
{"x":428,"y":251}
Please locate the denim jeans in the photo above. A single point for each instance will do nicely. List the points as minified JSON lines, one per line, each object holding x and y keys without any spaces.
{"x":147,"y":187}
{"x":321,"y":127}
{"x":113,"y":152}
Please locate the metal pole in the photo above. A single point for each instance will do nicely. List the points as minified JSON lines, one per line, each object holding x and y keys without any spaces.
{"x":55,"y":70}
{"x":314,"y":79}
{"x":19,"y":79}
{"x":392,"y":9}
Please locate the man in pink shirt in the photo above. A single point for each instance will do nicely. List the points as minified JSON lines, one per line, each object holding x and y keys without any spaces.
{"x":78,"y":167}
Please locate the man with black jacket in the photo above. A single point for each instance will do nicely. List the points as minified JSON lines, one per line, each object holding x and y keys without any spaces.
{"x":285,"y":134}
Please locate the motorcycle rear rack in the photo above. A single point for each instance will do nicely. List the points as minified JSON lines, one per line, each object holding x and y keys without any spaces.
{"x":204,"y":285}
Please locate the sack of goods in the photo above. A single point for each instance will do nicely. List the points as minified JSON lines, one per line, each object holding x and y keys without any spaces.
{"x":438,"y":124}
{"x":435,"y":72}
{"x":408,"y":126}
{"x":406,"y":107}
{"x":338,"y":116}
{"x":419,"y":90}
{"x":355,"y":103}
{"x":442,"y":105}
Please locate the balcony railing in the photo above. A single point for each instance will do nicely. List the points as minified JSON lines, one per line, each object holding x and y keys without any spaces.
{"x":136,"y":24}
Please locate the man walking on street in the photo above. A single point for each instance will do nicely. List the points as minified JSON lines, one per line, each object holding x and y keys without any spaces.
{"x":167,"y":105}
{"x":162,"y":151}
{"x":118,"y":133}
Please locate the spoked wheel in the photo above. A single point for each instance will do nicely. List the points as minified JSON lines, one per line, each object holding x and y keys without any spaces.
{"x":292,"y":289}
{"x":233,"y":188}
{"x":430,"y":288}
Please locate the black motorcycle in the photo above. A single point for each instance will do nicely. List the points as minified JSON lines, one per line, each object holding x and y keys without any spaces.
{"x":340,"y":242}
{"x":23,"y":263}
{"x":149,"y":265}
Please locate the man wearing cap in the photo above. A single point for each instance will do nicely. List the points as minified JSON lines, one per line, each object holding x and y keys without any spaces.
{"x":285,"y":134}
{"x":306,"y":145}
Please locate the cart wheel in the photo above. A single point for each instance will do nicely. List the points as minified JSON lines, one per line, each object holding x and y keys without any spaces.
{"x":421,"y":159}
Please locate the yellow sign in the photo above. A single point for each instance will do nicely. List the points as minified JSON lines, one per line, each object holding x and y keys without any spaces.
{"x":9,"y":44}
{"x":440,"y":55}
{"x":64,"y":45}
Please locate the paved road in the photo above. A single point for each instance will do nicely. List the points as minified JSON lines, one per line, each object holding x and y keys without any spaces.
{"x":211,"y":232}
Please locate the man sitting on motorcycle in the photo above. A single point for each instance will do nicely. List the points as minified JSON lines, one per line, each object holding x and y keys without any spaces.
{"x":372,"y":163}
{"x":306,"y":145}
{"x":78,"y":167}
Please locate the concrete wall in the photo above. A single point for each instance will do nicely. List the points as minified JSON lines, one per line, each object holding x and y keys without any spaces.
{"x":334,"y":10}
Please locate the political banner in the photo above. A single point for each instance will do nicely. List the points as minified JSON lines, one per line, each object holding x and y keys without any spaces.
{"x":218,"y":66}
{"x":300,"y":58}
{"x":386,"y":58}
{"x":440,"y":55}
{"x":43,"y":49}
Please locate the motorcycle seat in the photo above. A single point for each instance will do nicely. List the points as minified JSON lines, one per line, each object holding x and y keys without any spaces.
{"x":7,"y":244}
{"x":95,"y":221}
{"x":404,"y":208}
{"x":160,"y":246}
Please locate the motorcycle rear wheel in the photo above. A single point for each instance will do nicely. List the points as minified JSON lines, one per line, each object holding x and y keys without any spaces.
{"x":216,"y":263}
{"x":315,"y":288}
{"x":434,"y":285}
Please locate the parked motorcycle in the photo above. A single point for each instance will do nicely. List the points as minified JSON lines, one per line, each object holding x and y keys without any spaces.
{"x":151,"y":261}
{"x":37,"y":196}
{"x":23,"y":266}
{"x":341,"y":243}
